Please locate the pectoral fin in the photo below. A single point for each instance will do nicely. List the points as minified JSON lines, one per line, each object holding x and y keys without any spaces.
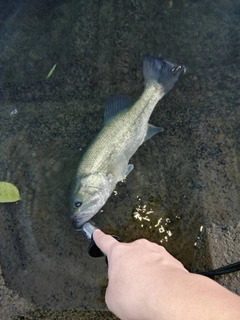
{"x":120,"y":168}
{"x":151,"y":131}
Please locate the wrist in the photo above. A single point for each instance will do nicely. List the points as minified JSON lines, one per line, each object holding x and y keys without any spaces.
{"x":167,"y":297}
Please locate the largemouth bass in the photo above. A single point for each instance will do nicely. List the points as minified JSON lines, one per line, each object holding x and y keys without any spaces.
{"x":106,"y":160}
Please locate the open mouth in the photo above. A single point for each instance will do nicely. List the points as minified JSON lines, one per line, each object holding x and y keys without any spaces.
{"x":79,"y":220}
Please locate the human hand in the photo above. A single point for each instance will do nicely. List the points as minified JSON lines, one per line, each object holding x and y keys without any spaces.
{"x":146,"y":282}
{"x":137,"y":272}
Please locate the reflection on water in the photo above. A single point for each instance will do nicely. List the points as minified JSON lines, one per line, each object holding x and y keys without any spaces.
{"x":46,"y":123}
{"x":146,"y":217}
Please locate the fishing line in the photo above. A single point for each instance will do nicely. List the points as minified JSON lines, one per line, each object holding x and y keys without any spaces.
{"x":223,"y":270}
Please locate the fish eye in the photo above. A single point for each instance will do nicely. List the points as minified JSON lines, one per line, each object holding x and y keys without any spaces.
{"x":77,"y":204}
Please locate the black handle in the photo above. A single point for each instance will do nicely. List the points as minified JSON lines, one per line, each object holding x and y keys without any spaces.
{"x":88,"y":228}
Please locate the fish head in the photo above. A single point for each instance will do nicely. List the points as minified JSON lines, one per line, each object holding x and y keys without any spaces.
{"x":90,"y":192}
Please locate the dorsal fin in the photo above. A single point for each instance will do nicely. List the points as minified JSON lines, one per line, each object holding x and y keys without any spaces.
{"x":115,"y":105}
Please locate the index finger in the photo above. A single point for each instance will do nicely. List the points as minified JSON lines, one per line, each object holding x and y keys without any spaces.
{"x":104,"y":241}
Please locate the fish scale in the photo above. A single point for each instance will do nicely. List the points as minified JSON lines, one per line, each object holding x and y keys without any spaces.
{"x":122,"y":133}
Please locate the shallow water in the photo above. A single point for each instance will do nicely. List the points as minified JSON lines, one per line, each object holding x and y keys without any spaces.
{"x":47,"y":123}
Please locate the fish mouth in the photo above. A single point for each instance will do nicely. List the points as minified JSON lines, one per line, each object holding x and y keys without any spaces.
{"x":84,"y":213}
{"x":78,"y":220}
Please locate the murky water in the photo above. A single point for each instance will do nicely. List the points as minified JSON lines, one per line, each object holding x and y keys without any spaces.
{"x":47,"y":123}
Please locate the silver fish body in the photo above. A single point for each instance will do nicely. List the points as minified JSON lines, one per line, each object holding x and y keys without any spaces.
{"x":106,"y":160}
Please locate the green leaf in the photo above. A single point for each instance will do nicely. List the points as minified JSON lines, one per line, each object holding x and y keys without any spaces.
{"x":51,"y":71}
{"x":8,"y":192}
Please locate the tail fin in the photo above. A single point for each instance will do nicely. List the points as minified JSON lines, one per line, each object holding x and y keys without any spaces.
{"x":156,"y":69}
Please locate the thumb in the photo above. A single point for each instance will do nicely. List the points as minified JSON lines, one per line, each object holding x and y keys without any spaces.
{"x":104,"y":241}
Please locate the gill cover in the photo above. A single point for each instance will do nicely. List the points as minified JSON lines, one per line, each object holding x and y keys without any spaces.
{"x":93,"y":191}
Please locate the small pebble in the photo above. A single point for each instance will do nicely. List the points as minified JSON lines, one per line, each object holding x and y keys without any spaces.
{"x":13,"y":112}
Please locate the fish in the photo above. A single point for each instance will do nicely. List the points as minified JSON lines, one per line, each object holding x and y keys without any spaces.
{"x":106,"y":160}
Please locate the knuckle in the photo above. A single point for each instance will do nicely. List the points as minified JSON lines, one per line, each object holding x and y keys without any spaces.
{"x":142,"y":242}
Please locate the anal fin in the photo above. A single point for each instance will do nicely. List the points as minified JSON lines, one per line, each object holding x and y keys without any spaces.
{"x":151,"y":131}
